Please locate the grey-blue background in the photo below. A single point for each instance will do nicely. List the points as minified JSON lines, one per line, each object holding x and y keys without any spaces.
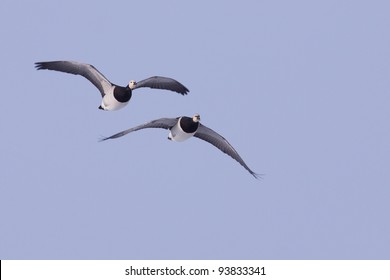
{"x":299,"y":88}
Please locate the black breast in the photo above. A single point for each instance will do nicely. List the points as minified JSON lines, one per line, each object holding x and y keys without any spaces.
{"x":122,"y":94}
{"x":188,"y":125}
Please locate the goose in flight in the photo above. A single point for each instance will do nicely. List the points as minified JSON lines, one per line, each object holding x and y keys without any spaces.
{"x":114,"y":97}
{"x":182,"y":128}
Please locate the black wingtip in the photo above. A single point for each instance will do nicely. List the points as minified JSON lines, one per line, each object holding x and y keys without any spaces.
{"x":185,"y":91}
{"x":102,"y":138}
{"x":39,"y":65}
{"x":257,"y":176}
{"x":42,"y":65}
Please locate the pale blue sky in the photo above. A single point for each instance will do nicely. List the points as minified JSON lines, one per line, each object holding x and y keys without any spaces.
{"x":299,"y":88}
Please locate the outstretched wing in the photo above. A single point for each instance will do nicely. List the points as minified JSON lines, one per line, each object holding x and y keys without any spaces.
{"x":221,"y":143}
{"x":163,"y":83}
{"x":86,"y":70}
{"x":166,"y":123}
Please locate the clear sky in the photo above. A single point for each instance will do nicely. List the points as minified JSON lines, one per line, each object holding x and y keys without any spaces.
{"x":299,"y":88}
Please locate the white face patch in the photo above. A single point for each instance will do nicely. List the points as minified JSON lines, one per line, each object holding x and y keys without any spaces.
{"x":132,"y":84}
{"x":196,"y":118}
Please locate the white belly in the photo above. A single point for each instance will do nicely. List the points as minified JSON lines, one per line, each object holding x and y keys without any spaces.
{"x":178,"y":135}
{"x":109,"y":103}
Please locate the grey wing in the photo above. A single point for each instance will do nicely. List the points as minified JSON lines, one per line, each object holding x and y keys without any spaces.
{"x":166,"y":123}
{"x":163,"y":83}
{"x":221,"y":143}
{"x":72,"y":67}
